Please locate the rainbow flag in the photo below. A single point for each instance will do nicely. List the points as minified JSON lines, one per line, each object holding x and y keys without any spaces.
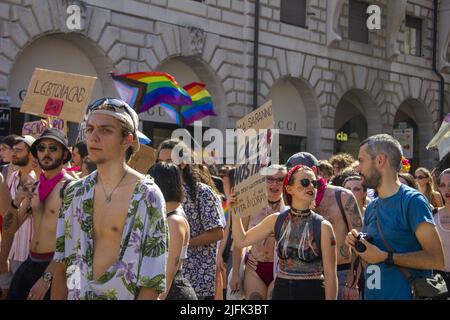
{"x":226,"y":209}
{"x":143,"y":90}
{"x":201,"y":106}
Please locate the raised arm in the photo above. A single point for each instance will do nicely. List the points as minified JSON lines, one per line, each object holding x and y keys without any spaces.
{"x":254,"y":235}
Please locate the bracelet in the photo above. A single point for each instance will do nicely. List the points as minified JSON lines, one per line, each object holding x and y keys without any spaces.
{"x":13,"y":205}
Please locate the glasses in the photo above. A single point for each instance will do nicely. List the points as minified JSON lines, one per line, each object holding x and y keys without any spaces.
{"x":421,"y":177}
{"x":17,"y":150}
{"x":110,"y":104}
{"x":52,"y":148}
{"x":306,"y":182}
{"x":273,"y":180}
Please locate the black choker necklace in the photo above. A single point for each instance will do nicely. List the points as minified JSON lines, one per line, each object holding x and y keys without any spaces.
{"x":274,"y":202}
{"x":301,"y":212}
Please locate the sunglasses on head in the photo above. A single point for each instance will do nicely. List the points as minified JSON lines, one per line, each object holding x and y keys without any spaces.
{"x":43,"y":147}
{"x":109,"y":104}
{"x":306,"y":182}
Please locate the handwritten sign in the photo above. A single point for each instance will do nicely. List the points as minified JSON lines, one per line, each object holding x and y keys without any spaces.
{"x":60,"y":94}
{"x":250,"y":188}
{"x":142,"y":160}
{"x":35,"y":128}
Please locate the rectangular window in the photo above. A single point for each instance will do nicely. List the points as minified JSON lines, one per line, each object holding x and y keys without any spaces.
{"x":293,"y":12}
{"x":357,"y":21}
{"x":413,"y":36}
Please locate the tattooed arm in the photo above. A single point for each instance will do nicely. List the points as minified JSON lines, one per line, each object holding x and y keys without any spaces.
{"x":352,"y":211}
{"x":9,"y":223}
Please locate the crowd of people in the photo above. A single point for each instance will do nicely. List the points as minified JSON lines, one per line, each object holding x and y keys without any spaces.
{"x":77,"y":222}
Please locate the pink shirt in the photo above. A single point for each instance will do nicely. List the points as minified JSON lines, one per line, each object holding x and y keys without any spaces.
{"x":22,"y":238}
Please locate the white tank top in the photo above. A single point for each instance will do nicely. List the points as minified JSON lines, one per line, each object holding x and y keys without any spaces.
{"x":445,"y":238}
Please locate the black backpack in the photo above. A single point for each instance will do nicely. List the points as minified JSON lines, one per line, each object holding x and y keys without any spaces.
{"x":317,"y":227}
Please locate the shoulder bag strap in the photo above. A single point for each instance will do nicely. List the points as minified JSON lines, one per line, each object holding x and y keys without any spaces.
{"x":337,"y":194}
{"x":405,"y":272}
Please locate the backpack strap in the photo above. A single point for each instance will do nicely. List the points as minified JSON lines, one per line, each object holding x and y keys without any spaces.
{"x":317,"y":230}
{"x":279,"y":223}
{"x":61,"y":191}
{"x":337,"y":194}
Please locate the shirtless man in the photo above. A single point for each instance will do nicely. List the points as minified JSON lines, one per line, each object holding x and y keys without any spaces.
{"x":112,"y":232}
{"x":327,"y":206}
{"x":259,"y":273}
{"x":42,"y":202}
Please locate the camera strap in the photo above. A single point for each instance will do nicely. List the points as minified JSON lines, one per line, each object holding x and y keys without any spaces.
{"x":405,"y":272}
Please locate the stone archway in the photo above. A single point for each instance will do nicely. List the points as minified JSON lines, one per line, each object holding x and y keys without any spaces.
{"x":412,"y":114}
{"x":355,"y":119}
{"x":296,"y":116}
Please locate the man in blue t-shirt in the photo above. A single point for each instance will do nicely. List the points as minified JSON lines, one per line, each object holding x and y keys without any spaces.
{"x":406,"y":222}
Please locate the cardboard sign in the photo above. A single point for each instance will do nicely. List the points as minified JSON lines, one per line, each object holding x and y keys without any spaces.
{"x":143,"y":159}
{"x":60,"y":94}
{"x":35,"y":128}
{"x":250,"y":188}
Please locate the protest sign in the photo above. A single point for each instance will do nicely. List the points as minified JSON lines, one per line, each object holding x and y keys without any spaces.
{"x":250,"y":188}
{"x":35,"y":128}
{"x":143,"y":159}
{"x":59,"y":94}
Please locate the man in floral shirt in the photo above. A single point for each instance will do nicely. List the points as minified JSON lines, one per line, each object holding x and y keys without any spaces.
{"x":112,"y":232}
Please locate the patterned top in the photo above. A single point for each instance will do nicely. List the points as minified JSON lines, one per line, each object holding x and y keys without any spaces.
{"x":203,"y":215}
{"x":298,"y":253}
{"x":143,"y":250}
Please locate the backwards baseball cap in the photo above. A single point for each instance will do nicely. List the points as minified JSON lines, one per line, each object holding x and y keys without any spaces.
{"x":303,"y":158}
{"x":120,"y":110}
{"x":56,"y":135}
{"x":28,"y":140}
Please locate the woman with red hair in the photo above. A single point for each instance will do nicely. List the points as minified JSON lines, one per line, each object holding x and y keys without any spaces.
{"x":305,"y":242}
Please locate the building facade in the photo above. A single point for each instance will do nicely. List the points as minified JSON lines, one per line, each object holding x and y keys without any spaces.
{"x":332,"y":81}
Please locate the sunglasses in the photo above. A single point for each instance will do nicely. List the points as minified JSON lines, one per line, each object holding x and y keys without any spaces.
{"x":306,"y":182}
{"x":277,"y":180}
{"x":110,"y":104}
{"x":420,"y":177}
{"x":52,"y":148}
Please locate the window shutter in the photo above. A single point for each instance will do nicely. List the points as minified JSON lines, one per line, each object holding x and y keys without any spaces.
{"x":357,"y":21}
{"x":293,"y":12}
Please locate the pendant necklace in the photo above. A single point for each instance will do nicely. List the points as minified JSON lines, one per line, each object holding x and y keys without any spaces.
{"x":108,"y":197}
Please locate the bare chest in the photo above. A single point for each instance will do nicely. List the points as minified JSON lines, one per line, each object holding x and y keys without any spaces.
{"x":109,"y":217}
{"x":47,"y":212}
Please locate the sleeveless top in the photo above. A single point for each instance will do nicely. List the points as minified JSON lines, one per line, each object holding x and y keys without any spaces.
{"x":180,"y":212}
{"x":299,"y":253}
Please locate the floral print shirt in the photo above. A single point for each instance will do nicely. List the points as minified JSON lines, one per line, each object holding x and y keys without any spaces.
{"x":204,"y":214}
{"x":143,"y":250}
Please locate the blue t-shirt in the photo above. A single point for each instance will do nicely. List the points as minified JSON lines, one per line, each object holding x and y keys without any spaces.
{"x":400,"y":215}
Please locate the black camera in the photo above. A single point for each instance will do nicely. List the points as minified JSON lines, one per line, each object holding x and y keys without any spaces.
{"x":359,"y":246}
